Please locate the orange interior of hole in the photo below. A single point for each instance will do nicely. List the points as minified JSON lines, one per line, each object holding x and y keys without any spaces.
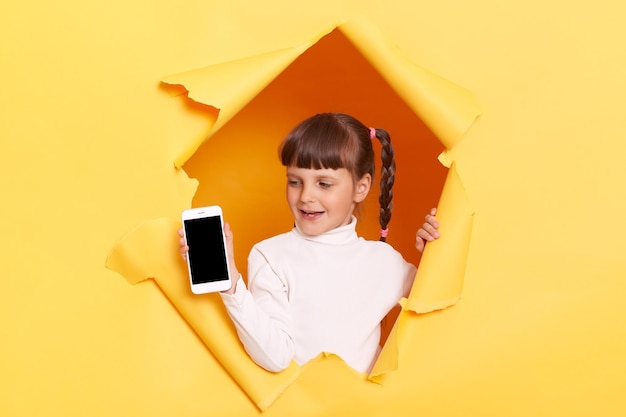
{"x":238,"y":166}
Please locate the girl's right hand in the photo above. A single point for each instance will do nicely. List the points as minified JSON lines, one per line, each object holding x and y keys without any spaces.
{"x":234,"y":272}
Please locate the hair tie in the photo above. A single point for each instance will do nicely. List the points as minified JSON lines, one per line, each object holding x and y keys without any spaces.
{"x":384,"y":232}
{"x":372,"y":133}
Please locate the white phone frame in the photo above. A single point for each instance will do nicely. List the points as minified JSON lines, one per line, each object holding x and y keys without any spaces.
{"x":214,"y":286}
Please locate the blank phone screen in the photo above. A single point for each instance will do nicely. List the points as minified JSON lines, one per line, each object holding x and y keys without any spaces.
{"x":207,"y":258}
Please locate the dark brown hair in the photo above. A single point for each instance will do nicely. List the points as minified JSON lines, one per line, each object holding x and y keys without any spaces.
{"x":338,"y":140}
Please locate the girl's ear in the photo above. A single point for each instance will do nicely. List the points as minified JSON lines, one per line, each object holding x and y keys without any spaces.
{"x":362,"y":188}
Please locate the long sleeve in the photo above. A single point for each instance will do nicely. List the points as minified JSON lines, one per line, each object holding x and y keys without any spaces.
{"x":261,"y":315}
{"x":307,"y":295}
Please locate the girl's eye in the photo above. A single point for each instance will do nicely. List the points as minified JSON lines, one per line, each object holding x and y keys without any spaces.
{"x":293,"y":182}
{"x":324,"y":184}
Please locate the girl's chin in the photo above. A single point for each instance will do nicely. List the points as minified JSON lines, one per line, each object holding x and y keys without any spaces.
{"x":309,"y":229}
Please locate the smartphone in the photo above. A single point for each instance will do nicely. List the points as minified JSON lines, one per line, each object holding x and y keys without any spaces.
{"x":207,"y":259}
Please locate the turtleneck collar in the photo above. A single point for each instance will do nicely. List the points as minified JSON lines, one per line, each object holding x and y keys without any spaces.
{"x":338,"y":236}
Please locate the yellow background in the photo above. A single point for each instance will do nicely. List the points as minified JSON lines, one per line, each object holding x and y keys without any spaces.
{"x":88,"y":138}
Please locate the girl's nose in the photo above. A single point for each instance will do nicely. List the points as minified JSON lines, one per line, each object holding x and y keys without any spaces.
{"x":307,"y":195}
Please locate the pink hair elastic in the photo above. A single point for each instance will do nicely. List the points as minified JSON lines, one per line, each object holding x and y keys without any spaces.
{"x":384,"y":232}
{"x":372,"y":133}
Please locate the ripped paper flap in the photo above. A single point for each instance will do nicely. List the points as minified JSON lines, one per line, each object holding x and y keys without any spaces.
{"x":445,"y":107}
{"x":151,"y":251}
{"x":439,"y":280}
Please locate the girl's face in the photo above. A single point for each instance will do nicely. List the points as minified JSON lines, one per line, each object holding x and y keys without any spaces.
{"x":323,"y":199}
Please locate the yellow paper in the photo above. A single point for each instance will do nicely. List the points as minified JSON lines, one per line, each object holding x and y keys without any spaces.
{"x":388,"y":358}
{"x":439,"y":280}
{"x":150,"y":251}
{"x":231,"y":85}
{"x":447,"y":108}
{"x":88,"y":136}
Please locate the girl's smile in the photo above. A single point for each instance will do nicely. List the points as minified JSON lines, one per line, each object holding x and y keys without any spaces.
{"x":311,"y":215}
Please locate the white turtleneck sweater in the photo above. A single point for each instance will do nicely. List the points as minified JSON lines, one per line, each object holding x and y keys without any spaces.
{"x":309,"y":295}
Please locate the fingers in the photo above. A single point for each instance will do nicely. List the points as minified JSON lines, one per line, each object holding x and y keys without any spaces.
{"x":421,"y":237}
{"x":419,"y":244}
{"x":428,"y":231}
{"x":431,"y":220}
{"x":228,"y":233}
{"x":183,"y":248}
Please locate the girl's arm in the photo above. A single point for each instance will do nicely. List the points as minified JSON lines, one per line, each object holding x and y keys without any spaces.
{"x":262,"y":321}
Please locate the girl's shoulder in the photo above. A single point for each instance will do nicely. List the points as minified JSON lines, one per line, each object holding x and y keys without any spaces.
{"x":378,"y":247}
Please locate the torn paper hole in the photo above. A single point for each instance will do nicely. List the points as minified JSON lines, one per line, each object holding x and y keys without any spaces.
{"x":351,"y":69}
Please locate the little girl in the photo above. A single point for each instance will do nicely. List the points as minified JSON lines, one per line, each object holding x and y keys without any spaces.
{"x":320,"y":287}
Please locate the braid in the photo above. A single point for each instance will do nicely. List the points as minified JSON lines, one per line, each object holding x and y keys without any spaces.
{"x":338,"y":140}
{"x":388,"y":171}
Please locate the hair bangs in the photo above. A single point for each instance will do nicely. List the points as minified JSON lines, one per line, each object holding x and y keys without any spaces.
{"x":321,"y":144}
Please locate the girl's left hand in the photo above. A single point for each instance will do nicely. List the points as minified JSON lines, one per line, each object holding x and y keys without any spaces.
{"x":428,"y":232}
